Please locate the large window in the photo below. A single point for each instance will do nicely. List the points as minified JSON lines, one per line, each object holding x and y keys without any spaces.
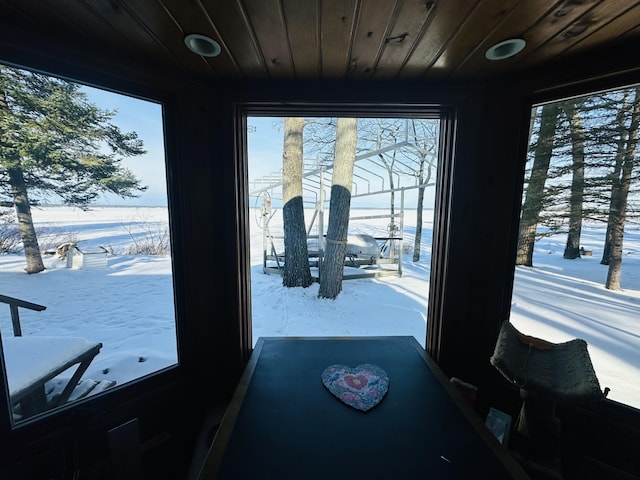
{"x":85,"y":254}
{"x":578,"y":264}
{"x":341,"y":217}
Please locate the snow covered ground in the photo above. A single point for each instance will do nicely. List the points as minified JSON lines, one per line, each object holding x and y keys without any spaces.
{"x":128,"y":305}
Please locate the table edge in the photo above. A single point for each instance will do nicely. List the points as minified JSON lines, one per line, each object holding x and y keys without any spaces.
{"x":221,"y":439}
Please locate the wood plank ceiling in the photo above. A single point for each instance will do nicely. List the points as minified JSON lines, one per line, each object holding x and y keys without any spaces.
{"x":326,"y":39}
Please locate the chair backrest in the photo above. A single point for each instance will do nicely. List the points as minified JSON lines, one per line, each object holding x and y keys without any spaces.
{"x":560,"y":371}
{"x":14,"y":303}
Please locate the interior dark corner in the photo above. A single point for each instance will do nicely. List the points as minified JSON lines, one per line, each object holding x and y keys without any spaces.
{"x":335,"y":59}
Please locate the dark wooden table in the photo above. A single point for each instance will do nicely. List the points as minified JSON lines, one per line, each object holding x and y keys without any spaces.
{"x":284,"y":424}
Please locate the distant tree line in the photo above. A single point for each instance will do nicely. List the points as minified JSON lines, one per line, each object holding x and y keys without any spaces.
{"x":582,"y":166}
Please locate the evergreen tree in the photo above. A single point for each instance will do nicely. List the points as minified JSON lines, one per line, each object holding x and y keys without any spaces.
{"x":615,"y":175}
{"x":535,"y":192}
{"x":590,"y":175}
{"x":53,"y":142}
{"x":572,"y":111}
{"x":621,"y":186}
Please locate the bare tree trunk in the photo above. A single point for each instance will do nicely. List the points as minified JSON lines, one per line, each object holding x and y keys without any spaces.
{"x":572,"y":248}
{"x":618,"y":212}
{"x":25,"y":221}
{"x":422,"y":179}
{"x":417,"y":241}
{"x":332,"y":269}
{"x":535,"y":190}
{"x":296,"y":271}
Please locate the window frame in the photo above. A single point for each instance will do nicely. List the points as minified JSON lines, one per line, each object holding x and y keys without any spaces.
{"x":557,"y":93}
{"x":446,"y":113}
{"x":59,"y":417}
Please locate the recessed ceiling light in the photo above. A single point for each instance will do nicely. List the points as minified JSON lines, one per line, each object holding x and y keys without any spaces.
{"x":202,"y":45}
{"x":505,"y":49}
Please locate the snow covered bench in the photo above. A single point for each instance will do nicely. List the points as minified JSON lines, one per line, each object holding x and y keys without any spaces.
{"x":33,"y":361}
{"x":33,"y":366}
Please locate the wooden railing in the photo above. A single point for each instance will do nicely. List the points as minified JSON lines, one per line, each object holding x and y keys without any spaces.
{"x":14,"y":303}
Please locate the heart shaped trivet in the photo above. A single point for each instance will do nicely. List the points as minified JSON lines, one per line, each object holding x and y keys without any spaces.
{"x":361,"y":387}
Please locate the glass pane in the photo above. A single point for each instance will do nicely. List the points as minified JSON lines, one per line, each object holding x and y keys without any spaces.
{"x":385,"y":234}
{"x":86,"y":284}
{"x":578,"y":264}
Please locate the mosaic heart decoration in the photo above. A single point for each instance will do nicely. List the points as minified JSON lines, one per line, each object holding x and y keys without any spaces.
{"x":361,"y":387}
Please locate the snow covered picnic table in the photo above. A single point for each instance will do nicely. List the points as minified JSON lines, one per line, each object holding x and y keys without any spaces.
{"x":33,"y":361}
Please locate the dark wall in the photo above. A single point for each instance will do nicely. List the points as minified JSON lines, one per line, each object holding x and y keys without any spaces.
{"x":471,"y":295}
{"x":200,"y":126}
{"x":485,"y":192}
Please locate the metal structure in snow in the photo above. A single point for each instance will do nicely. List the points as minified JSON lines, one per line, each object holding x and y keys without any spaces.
{"x":369,"y":253}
